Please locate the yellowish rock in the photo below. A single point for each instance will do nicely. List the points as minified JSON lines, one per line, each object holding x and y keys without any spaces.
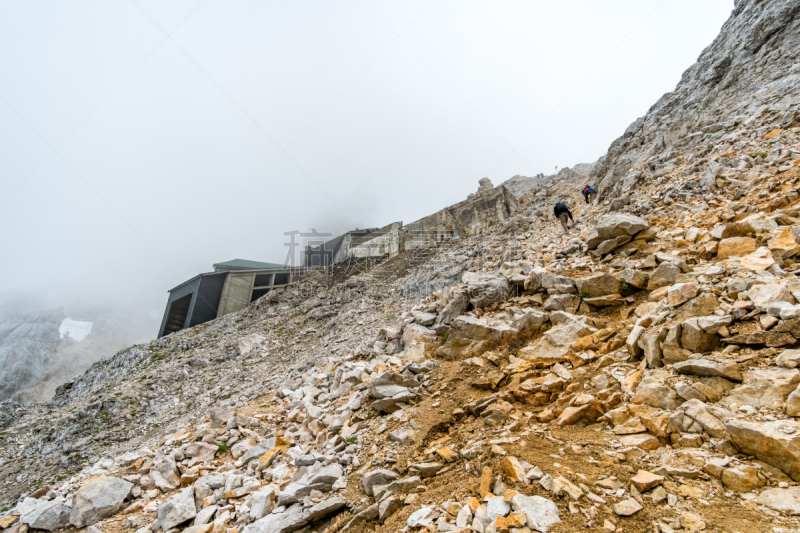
{"x":7,"y":521}
{"x":512,"y":469}
{"x":447,"y":454}
{"x":736,"y":247}
{"x":486,"y":482}
{"x":761,"y":259}
{"x":784,"y":246}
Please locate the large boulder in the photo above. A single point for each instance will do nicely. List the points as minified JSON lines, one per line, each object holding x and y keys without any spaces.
{"x":98,"y":499}
{"x":541,"y":513}
{"x":614,"y":226}
{"x":556,"y":341}
{"x":783,"y":500}
{"x":697,"y":339}
{"x":165,"y":473}
{"x":598,"y":285}
{"x":776,"y":443}
{"x":763,"y":295}
{"x":419,"y":333}
{"x":313,"y":478}
{"x":709,"y":368}
{"x":765,"y":387}
{"x":736,"y":247}
{"x":48,"y":515}
{"x":484,"y":289}
{"x":375,"y":478}
{"x":181,"y":508}
{"x":665,"y":275}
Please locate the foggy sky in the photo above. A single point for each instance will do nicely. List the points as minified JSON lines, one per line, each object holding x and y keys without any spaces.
{"x":141,"y":141}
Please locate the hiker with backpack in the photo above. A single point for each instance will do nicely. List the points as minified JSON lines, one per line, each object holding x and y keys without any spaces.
{"x":588,"y":193}
{"x":562,"y":214}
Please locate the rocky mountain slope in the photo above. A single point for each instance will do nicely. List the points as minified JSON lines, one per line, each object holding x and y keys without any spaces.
{"x":638,"y":374}
{"x":521,"y":185}
{"x":35,"y":358}
{"x":746,"y":79}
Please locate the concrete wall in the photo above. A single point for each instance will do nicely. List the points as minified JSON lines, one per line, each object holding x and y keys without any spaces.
{"x":464,"y":219}
{"x":386,"y":241}
{"x":236,"y":293}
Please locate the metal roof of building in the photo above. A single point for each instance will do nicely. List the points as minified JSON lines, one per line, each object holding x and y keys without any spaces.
{"x":244,"y":264}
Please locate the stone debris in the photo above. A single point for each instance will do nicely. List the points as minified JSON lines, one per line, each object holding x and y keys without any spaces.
{"x":635,"y":374}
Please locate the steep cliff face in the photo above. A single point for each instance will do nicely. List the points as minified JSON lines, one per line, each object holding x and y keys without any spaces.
{"x":749,"y":77}
{"x":28,"y":345}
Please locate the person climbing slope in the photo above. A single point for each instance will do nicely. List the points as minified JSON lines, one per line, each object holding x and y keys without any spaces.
{"x":562,"y":214}
{"x":588,"y":194}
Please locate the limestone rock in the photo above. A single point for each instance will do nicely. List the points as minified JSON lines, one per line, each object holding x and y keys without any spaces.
{"x":219,"y":416}
{"x":743,"y":478}
{"x":784,"y":500}
{"x":709,"y":368}
{"x":701,"y":413}
{"x":484,"y":289}
{"x":614,"y":226}
{"x":289,"y":520}
{"x":425,"y":470}
{"x":635,"y":278}
{"x":598,"y":285}
{"x":48,"y":515}
{"x":681,"y":293}
{"x":627,"y":507}
{"x":695,"y":338}
{"x":765,"y":387}
{"x":388,"y":507}
{"x":761,"y":259}
{"x":763,"y":295}
{"x":645,"y":480}
{"x":99,"y":498}
{"x":736,"y":247}
{"x":179,"y":509}
{"x":541,"y":513}
{"x":416,"y":332}
{"x":324,"y":509}
{"x":376,"y":477}
{"x":665,"y":275}
{"x":512,"y":469}
{"x":785,"y":245}
{"x":788,"y":359}
{"x":772,"y":338}
{"x":419,"y":518}
{"x":314,"y":477}
{"x":165,"y":473}
{"x":262,"y":502}
{"x":770,"y":442}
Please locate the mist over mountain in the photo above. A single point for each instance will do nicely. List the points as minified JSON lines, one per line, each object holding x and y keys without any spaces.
{"x":35,"y":357}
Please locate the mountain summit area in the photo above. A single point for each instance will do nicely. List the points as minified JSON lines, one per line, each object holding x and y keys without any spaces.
{"x":636,"y":374}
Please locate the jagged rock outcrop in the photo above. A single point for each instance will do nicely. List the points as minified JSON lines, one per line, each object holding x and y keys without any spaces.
{"x":746,"y":79}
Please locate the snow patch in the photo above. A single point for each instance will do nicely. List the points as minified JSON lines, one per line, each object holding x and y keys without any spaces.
{"x":75,"y":329}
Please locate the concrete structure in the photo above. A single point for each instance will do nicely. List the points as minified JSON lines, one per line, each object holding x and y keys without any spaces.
{"x":464,"y":219}
{"x":330,"y":252}
{"x":232,"y":286}
{"x":469,"y":217}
